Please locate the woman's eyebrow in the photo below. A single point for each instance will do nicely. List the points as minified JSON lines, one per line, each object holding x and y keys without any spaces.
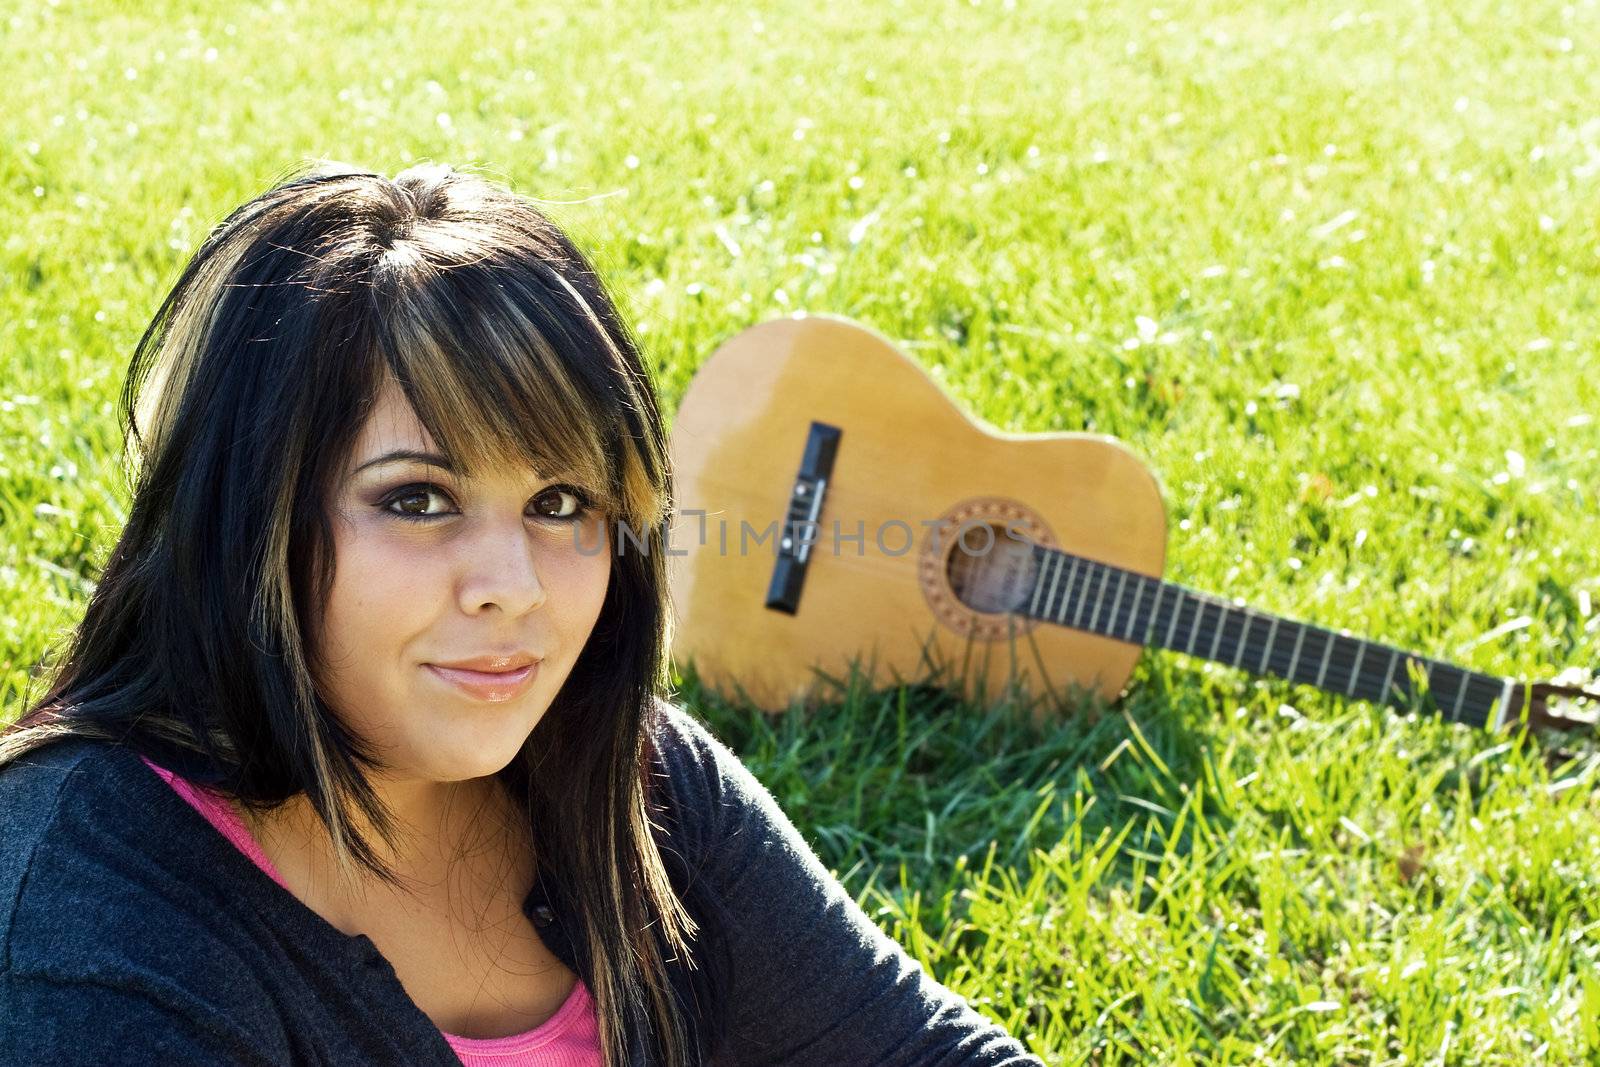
{"x":433,"y":459}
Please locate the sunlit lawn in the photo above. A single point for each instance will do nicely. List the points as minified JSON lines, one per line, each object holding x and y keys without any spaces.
{"x":1331,"y":268}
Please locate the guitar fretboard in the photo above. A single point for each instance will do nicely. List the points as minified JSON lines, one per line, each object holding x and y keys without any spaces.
{"x":1102,"y":599}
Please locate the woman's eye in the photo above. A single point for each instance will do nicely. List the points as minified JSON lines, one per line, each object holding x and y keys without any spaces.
{"x":411,"y":502}
{"x":572,"y":507}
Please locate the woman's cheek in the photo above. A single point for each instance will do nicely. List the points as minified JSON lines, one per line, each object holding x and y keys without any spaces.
{"x":379,"y":590}
{"x":581,"y":575}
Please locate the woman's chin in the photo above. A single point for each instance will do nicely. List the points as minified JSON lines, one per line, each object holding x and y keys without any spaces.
{"x":462,"y":757}
{"x":478,"y":763}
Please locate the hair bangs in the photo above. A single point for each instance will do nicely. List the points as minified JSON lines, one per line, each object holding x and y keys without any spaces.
{"x":495,"y":381}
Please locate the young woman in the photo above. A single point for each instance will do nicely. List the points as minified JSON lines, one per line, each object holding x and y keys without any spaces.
{"x":361,"y":753}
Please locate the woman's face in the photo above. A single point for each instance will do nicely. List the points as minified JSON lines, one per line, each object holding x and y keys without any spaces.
{"x":433,"y":570}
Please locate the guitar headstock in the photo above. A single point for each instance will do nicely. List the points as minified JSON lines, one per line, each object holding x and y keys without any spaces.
{"x":1569,"y":702}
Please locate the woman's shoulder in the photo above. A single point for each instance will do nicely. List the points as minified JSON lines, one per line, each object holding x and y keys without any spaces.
{"x":694,"y":769}
{"x":38,"y":790}
{"x":703,"y":771}
{"x":721,"y":808}
{"x":99,"y":870}
{"x":681,"y":738}
{"x":45,"y":770}
{"x":114,"y":944}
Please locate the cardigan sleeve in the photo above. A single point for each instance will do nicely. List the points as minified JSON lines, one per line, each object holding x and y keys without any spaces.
{"x":813,"y":979}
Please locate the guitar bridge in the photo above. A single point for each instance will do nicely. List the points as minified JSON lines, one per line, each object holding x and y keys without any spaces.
{"x":805,"y":505}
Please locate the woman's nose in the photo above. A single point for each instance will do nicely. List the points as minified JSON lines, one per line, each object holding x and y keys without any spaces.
{"x":500,"y":570}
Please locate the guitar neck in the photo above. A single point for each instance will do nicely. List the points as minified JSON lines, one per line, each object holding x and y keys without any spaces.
{"x":1099,"y":598}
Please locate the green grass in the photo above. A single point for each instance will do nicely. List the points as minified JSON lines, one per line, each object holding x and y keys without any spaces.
{"x":1330,"y":268}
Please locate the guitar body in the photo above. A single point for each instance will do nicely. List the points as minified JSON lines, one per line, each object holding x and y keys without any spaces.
{"x":928,"y":504}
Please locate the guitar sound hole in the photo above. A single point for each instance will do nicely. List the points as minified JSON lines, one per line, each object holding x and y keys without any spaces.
{"x":989,"y":570}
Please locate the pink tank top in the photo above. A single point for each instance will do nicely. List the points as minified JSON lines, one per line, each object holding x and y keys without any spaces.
{"x":569,"y":1038}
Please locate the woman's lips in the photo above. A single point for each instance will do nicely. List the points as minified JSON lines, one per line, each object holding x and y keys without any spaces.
{"x":488,"y":685}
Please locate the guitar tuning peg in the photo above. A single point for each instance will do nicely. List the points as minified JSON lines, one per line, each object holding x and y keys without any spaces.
{"x":1579,"y":678}
{"x":1569,"y":700}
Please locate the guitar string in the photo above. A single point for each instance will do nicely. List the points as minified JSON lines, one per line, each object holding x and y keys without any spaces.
{"x":1476,"y":692}
{"x":1347,"y":650}
{"x":1459,"y":693}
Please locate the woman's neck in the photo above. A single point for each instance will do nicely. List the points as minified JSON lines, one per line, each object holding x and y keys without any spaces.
{"x":439,"y":826}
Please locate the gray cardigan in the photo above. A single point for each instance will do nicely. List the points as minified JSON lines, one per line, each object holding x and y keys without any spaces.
{"x":132,"y":932}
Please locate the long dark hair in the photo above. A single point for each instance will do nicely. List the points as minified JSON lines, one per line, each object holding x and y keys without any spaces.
{"x":242,"y":402}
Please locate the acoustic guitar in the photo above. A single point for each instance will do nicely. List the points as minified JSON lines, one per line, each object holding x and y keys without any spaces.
{"x":834,"y":506}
